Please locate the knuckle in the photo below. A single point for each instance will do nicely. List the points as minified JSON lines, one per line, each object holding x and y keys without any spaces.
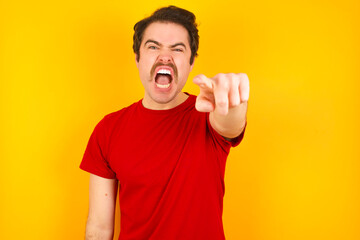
{"x":243,"y":76}
{"x":228,"y":81}
{"x":222,"y":103}
{"x":234,"y":80}
{"x":236,"y":104}
{"x":233,"y":75}
{"x":220,"y":77}
{"x":223,"y":86}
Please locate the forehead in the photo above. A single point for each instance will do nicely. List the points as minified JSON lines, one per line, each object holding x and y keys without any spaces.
{"x":166,"y":33}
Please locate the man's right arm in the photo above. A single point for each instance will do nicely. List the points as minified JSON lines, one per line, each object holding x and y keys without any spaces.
{"x":102,"y":203}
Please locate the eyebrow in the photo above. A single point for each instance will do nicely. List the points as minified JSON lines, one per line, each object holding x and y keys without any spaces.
{"x":178,"y":44}
{"x":159,"y":44}
{"x":152,"y":41}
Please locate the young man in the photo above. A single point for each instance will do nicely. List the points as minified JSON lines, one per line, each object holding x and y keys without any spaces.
{"x":167,"y":152}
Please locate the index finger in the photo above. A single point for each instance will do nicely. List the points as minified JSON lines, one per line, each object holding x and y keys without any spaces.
{"x":204,"y":82}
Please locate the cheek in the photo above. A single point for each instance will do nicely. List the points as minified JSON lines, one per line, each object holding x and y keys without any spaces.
{"x":184,"y":69}
{"x":183,"y":63}
{"x":144,"y":65}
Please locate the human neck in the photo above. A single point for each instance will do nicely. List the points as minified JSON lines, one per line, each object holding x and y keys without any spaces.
{"x":153,"y":105}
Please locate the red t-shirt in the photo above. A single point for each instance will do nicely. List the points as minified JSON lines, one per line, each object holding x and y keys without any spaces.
{"x":170,"y":165}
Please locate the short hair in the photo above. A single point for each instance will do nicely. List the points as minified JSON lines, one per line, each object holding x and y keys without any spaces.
{"x":170,"y":14}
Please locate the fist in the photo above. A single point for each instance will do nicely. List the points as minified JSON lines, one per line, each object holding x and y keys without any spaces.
{"x":222,"y":92}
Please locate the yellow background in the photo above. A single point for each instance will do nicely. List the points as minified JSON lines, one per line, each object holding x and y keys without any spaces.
{"x":65,"y":64}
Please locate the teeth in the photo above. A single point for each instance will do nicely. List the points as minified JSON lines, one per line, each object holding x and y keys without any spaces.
{"x":163,"y":86}
{"x":164,"y":71}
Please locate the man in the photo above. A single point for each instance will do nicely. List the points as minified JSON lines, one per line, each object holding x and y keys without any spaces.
{"x":167,"y":157}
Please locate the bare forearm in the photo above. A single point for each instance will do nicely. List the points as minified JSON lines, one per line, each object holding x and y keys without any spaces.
{"x":94,"y":232}
{"x":102,"y":200}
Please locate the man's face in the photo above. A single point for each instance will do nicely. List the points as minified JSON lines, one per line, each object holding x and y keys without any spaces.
{"x":164,"y":63}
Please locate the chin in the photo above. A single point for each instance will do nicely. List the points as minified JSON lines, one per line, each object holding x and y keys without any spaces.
{"x":163,"y":99}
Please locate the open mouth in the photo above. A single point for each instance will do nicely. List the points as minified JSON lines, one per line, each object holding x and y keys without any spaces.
{"x":163,"y":78}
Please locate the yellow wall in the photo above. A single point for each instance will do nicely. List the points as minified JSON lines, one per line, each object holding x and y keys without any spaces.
{"x":65,"y":64}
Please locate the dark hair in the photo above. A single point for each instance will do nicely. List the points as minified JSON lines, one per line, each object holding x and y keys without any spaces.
{"x":169,"y":14}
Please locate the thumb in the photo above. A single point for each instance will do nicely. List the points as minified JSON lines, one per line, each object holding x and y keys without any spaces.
{"x":203,"y":104}
{"x":205,"y":100}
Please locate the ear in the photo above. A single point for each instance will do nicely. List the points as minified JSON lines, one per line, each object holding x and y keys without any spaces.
{"x":136,"y":60}
{"x":192,"y":65}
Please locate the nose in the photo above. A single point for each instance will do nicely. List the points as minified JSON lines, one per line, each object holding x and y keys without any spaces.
{"x":165,"y":57}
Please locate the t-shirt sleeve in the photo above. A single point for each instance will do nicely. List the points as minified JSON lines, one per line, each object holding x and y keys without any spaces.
{"x":224,"y":142}
{"x":94,"y":160}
